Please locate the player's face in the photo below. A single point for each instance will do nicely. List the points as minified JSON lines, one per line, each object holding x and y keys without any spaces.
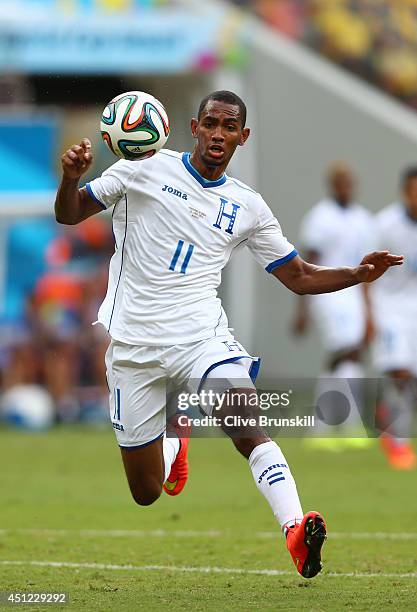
{"x":218,"y":132}
{"x":342,"y":187}
{"x":410,"y":196}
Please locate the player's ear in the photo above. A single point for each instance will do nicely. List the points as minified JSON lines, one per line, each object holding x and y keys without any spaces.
{"x":194,"y":123}
{"x":245,"y":135}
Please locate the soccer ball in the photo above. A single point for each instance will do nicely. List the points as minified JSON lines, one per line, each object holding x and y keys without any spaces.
{"x":134,"y":125}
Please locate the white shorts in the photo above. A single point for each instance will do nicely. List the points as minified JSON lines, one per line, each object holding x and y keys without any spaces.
{"x":340,"y":319}
{"x":139,"y":377}
{"x":395,"y":346}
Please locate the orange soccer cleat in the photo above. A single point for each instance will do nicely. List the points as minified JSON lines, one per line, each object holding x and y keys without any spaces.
{"x":304,"y":542}
{"x":400,"y":455}
{"x":179,"y":470}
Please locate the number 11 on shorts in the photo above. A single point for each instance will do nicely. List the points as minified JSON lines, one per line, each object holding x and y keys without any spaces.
{"x":116,"y":415}
{"x":177,"y":254}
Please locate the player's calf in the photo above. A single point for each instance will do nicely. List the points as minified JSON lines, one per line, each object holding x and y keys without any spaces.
{"x":245,"y":446}
{"x":268,"y":464}
{"x":239,"y":414}
{"x":144,"y":467}
{"x":273,"y":478}
{"x":146,"y":496}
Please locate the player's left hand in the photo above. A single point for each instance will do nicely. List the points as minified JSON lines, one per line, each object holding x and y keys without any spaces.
{"x":376,"y":264}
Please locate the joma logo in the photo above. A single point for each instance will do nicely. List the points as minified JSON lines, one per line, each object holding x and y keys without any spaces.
{"x":175,"y":192}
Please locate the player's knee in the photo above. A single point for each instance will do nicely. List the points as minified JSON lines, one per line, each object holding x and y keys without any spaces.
{"x":146,"y":496}
{"x":246,"y":445}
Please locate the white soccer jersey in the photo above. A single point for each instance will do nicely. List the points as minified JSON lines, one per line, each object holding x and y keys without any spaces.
{"x":175,"y":231}
{"x":341,"y":236}
{"x":396,"y":291}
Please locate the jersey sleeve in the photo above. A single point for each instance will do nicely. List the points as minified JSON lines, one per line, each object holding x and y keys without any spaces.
{"x":111,"y":186}
{"x":267,"y":243}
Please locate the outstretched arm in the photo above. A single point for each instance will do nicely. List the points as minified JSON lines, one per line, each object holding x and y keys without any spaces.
{"x":73,"y":205}
{"x":301,"y":321}
{"x":305,"y":278}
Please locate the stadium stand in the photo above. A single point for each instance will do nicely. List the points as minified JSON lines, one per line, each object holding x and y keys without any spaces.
{"x":375,"y":39}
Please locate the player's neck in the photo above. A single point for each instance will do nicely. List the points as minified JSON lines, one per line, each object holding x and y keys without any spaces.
{"x":342,"y":203}
{"x":211,"y":173}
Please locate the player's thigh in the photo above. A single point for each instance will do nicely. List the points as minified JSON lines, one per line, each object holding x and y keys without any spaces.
{"x":225,"y":378}
{"x":235,"y":403}
{"x":221,"y":366}
{"x":192,"y":363}
{"x":137,"y":394}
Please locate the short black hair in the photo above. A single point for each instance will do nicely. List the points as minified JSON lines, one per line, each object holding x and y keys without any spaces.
{"x":228,"y":97}
{"x":408,"y":174}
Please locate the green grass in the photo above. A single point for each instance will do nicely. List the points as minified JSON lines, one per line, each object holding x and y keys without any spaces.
{"x":72,"y":480}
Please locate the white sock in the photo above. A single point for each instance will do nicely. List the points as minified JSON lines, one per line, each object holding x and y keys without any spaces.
{"x":171,"y":446}
{"x":276,"y":483}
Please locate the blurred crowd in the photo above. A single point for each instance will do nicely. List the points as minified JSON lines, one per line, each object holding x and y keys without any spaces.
{"x":102,"y":5}
{"x":376,"y":39}
{"x":50,"y":299}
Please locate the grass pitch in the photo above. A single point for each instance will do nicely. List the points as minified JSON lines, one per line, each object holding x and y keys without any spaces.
{"x":64,"y":500}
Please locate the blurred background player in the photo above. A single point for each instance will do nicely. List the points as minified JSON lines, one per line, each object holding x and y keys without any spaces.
{"x":394,"y":300}
{"x":334,"y":233}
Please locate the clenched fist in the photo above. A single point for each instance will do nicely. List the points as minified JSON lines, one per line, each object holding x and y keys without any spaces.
{"x":77,"y":160}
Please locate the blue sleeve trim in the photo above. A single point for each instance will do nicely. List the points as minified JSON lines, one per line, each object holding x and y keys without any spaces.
{"x":131,"y":448}
{"x":279,"y":262}
{"x":93,"y":195}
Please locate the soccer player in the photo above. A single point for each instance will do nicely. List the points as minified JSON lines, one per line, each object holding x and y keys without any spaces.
{"x":394,"y":300}
{"x":177,"y":219}
{"x":336,"y":232}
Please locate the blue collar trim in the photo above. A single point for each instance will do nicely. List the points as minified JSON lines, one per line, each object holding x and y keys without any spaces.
{"x":203,"y":182}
